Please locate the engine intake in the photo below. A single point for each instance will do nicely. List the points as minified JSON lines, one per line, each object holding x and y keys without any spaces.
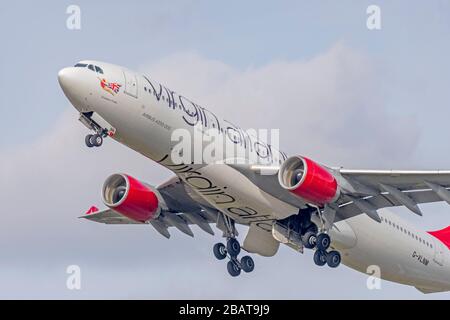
{"x":130,"y":197}
{"x":308,"y":180}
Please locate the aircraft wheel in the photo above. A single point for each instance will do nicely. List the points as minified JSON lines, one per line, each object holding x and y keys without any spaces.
{"x":220,"y":252}
{"x":309,"y":240}
{"x":233,"y":247}
{"x":323,"y":241}
{"x":333,"y":259}
{"x":320,"y":258}
{"x":96,"y":140}
{"x":87,"y":140}
{"x":233,"y":269}
{"x":247,"y":264}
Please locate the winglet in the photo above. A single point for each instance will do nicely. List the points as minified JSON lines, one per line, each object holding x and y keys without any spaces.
{"x":442,"y":235}
{"x":92,"y":209}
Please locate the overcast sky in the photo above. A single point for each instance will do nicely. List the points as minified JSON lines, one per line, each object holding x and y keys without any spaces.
{"x":338,"y":92}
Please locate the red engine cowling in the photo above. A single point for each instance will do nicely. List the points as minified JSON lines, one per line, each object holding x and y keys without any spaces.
{"x":130,"y":197}
{"x":308,"y":180}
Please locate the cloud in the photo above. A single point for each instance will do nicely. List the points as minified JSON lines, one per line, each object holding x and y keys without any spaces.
{"x":330,"y":107}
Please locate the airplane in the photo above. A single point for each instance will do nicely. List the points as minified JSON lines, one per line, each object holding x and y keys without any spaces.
{"x":281,"y":200}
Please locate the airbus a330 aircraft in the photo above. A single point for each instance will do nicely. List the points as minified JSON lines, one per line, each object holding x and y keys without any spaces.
{"x":290,"y":200}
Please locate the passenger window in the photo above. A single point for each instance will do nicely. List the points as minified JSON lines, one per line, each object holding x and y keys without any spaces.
{"x":91,"y":67}
{"x":99,"y":70}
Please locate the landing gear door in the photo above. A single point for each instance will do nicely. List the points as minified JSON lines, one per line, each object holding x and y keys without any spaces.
{"x":131,"y":87}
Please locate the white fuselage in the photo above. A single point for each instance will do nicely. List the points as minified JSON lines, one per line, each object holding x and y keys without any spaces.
{"x":145,"y":120}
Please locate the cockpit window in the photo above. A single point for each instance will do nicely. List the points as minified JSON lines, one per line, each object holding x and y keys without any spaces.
{"x":99,"y":70}
{"x":96,"y":69}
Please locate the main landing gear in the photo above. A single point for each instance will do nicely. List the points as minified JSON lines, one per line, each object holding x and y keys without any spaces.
{"x":310,"y":229}
{"x":232,"y":250}
{"x":322,"y":243}
{"x":321,"y":256}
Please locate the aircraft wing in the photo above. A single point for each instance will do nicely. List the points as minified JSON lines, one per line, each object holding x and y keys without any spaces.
{"x":374,"y":189}
{"x":365,"y":191}
{"x":107,"y":216}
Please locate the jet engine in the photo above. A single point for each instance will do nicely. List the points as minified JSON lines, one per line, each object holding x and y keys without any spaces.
{"x":130,"y":197}
{"x":308,"y":180}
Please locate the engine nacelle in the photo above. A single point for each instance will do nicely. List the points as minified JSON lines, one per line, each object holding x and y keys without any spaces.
{"x":130,"y":197}
{"x":308,"y":180}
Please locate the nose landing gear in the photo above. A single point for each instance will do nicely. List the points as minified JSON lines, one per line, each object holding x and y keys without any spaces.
{"x":93,"y":140}
{"x":98,"y":126}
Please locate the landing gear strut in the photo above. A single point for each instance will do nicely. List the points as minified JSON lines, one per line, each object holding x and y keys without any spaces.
{"x":325,"y":219}
{"x":93,"y":140}
{"x":232,"y":250}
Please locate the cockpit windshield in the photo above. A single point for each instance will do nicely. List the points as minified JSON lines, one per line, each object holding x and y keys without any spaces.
{"x":91,"y":67}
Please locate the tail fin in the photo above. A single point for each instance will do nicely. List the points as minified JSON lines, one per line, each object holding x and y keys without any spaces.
{"x":442,"y":235}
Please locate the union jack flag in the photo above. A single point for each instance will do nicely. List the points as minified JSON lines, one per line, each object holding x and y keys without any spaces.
{"x":111,"y":87}
{"x":114,"y":86}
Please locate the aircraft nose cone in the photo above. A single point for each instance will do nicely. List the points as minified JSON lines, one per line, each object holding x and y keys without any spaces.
{"x":64,"y":78}
{"x":74,"y":87}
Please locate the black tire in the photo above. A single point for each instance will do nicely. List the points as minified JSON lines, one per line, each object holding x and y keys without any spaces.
{"x":320,"y":258}
{"x":309,"y":239}
{"x":96,"y":140}
{"x":87,"y":140}
{"x":323,"y":241}
{"x":247,"y":264}
{"x":233,"y":247}
{"x":220,"y":252}
{"x":233,"y":269}
{"x":333,"y":259}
